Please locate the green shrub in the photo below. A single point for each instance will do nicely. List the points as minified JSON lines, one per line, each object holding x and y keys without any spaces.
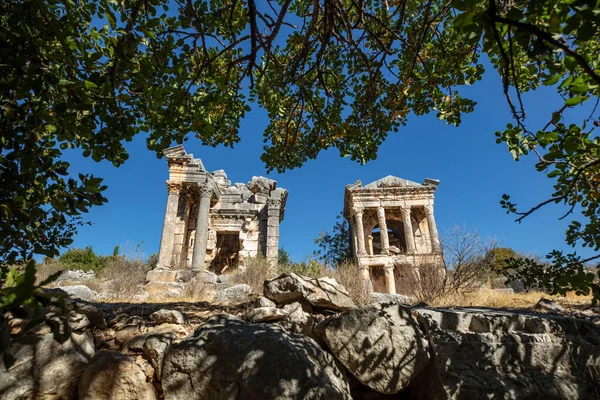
{"x":83,"y":259}
{"x":311,"y":268}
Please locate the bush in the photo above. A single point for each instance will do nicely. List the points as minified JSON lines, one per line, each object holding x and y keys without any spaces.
{"x":311,"y":268}
{"x":83,"y":259}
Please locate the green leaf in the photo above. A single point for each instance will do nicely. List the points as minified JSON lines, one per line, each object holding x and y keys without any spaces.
{"x":90,"y":85}
{"x":552,"y":81}
{"x":573,"y":101}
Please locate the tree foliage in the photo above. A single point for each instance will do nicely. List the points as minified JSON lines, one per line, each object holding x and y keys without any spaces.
{"x":88,"y":75}
{"x":554,"y":44}
{"x":334,"y":248}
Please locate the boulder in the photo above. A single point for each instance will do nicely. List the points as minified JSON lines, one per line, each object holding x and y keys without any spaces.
{"x":484,"y":354}
{"x":154,"y":349}
{"x":185,"y":275}
{"x":75,"y":276}
{"x":387,"y":298}
{"x":168,"y":316}
{"x":320,"y":292}
{"x":112,"y":375}
{"x":265,"y":314}
{"x":263,"y":302}
{"x":127,"y":332}
{"x":233,"y":294}
{"x":299,"y":320}
{"x":46,"y":369}
{"x":80,"y":292}
{"x":93,"y":313}
{"x":381,"y":344}
{"x":78,"y":322}
{"x":548,"y":306}
{"x":227,"y":358}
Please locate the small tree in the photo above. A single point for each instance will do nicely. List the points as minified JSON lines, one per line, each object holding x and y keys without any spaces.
{"x":334,"y":248}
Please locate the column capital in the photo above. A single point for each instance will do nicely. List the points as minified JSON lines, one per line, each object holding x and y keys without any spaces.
{"x":429,"y":208}
{"x":381,"y":210}
{"x":357,"y":210}
{"x":174,"y":187}
{"x":274,"y":203}
{"x":205,"y":191}
{"x":406,"y":208}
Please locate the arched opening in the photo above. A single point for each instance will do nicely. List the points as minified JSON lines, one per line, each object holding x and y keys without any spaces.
{"x":395,"y":231}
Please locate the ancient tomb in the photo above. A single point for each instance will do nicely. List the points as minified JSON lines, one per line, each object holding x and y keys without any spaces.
{"x":392,"y":228}
{"x":213,"y":225}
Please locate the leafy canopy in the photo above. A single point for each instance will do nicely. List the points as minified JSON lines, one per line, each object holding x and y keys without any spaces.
{"x":554,"y":44}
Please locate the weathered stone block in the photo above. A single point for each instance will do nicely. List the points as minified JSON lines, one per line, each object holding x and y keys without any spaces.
{"x":155,"y":287}
{"x":161,"y":275}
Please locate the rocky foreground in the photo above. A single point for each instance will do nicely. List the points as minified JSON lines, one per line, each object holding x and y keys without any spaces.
{"x":305,"y":339}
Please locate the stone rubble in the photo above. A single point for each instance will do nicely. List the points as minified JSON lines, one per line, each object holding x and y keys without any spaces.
{"x":324,"y":292}
{"x":314,"y":347}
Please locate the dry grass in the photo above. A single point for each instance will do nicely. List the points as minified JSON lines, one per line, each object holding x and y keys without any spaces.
{"x":347,"y":274}
{"x":498,"y":299}
{"x":256,"y":272}
{"x":196,"y":290}
{"x":123,"y":278}
{"x":43,"y":271}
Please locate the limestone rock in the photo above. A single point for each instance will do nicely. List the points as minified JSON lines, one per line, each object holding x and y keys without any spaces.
{"x":93,"y":313}
{"x":387,"y":298}
{"x":548,"y":306}
{"x":265,"y":314}
{"x":227,"y":358}
{"x":137,"y":342}
{"x":260,"y":184}
{"x":75,"y":276}
{"x":154,"y":349}
{"x":298,"y":320}
{"x":381,"y":344}
{"x":263,"y":302}
{"x":233,"y":294}
{"x":169,"y":328}
{"x":47,"y":369}
{"x":161,"y":275}
{"x":80,"y":292}
{"x":169,"y":316}
{"x":484,"y":354}
{"x":128,"y":332}
{"x":320,"y":292}
{"x":112,"y":375}
{"x":78,"y":322}
{"x":185,"y":275}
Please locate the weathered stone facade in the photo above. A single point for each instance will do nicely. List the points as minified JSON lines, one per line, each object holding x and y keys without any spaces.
{"x":392,"y":226}
{"x":213,"y":225}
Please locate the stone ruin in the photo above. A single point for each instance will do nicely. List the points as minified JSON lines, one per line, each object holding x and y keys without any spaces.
{"x":392,"y":227}
{"x":213,"y":225}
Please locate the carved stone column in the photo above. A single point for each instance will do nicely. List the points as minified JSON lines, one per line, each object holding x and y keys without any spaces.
{"x":165,"y":253}
{"x":365,"y":276}
{"x":201,"y":237}
{"x":360,"y":230}
{"x":370,"y":244}
{"x":273,"y":213}
{"x":433,"y":232}
{"x":408,"y":231}
{"x":385,"y":241}
{"x":390,"y":282}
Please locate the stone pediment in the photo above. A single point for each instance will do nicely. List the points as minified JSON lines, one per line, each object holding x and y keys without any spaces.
{"x":391,"y":181}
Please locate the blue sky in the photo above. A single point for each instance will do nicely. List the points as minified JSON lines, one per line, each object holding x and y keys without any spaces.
{"x":474,"y":172}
